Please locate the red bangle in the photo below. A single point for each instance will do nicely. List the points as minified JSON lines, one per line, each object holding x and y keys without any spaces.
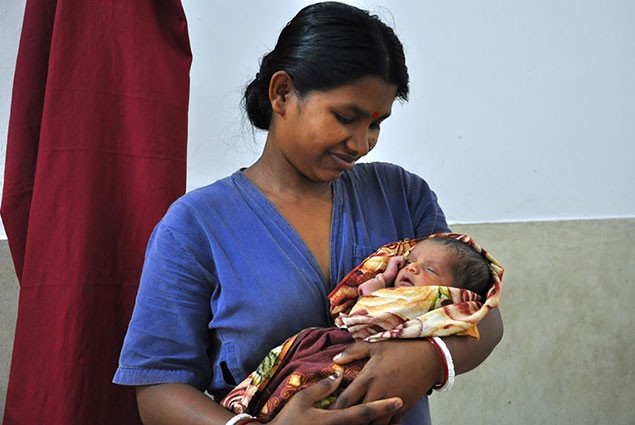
{"x":443,"y":362}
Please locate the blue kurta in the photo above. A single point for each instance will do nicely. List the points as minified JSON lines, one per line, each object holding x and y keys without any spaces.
{"x":226,"y":277}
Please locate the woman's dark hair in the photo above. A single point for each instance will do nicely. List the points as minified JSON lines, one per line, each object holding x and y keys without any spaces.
{"x":470,"y":269}
{"x":328,"y":45}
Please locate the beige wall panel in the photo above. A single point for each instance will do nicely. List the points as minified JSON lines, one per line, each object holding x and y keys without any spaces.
{"x":567,"y":354}
{"x":8,"y":309}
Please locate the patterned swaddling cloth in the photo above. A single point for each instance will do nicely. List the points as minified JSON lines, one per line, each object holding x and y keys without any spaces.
{"x":408,"y":312}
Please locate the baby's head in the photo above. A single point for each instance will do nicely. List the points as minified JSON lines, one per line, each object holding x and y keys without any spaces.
{"x":445,"y":261}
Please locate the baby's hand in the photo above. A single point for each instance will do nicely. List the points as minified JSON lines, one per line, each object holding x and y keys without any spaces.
{"x":371,"y":285}
{"x":384,"y":279}
{"x":394,"y":265}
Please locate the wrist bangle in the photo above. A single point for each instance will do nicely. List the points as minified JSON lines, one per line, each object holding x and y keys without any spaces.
{"x":444,"y":363}
{"x":242,"y":419}
{"x":448,"y":364}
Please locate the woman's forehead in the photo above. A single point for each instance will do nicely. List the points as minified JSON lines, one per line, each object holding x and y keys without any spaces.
{"x":366,"y":96}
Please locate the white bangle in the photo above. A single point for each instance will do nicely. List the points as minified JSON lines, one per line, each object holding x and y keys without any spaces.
{"x":239,"y":418}
{"x":448,"y":360}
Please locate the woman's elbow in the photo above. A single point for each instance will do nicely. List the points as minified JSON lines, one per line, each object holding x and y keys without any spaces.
{"x":497,"y":329}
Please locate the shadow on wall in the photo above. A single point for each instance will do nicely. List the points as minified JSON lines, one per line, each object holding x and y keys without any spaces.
{"x":566,"y":357}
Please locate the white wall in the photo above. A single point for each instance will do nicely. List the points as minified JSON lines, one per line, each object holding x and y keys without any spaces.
{"x":519,"y":110}
{"x":10,"y":23}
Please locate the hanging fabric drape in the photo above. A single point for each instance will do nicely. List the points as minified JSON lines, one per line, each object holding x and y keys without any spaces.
{"x":96,"y":153}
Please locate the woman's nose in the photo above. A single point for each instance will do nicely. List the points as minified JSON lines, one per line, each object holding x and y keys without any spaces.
{"x":360,"y":142}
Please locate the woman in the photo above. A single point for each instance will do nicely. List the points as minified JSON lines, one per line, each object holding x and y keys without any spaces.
{"x":238,"y":266}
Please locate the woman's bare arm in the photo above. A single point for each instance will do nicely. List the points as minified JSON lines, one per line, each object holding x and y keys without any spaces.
{"x":174,"y":403}
{"x":468,"y":353}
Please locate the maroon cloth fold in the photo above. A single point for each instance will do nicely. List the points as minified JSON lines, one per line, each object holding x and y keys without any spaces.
{"x":96,"y":153}
{"x":308,"y":360}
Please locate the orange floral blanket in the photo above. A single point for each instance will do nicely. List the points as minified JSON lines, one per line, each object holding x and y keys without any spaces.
{"x":410,"y":312}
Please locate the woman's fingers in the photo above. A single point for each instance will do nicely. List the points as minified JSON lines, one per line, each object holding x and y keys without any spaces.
{"x":320,"y":390}
{"x":368,"y":413}
{"x":356,"y":351}
{"x":301,"y":408}
{"x":356,"y":391}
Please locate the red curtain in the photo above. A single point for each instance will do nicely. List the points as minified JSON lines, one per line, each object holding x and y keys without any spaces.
{"x":96,"y":153}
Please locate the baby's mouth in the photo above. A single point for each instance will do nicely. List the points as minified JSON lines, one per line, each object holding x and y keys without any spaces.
{"x":406,"y":281}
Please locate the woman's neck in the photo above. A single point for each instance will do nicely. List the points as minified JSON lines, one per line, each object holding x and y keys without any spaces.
{"x":281,"y":180}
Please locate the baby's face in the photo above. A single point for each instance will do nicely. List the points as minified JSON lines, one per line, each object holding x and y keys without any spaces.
{"x":428,"y":263}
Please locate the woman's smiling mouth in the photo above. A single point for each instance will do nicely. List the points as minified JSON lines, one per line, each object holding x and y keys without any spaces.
{"x":344,"y":161}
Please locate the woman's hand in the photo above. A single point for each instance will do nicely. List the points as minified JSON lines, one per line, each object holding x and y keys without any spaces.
{"x":301,"y":408}
{"x":409,"y":368}
{"x":397,"y":368}
{"x":165,"y":404}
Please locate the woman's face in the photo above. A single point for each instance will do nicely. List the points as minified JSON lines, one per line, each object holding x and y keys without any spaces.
{"x":428,"y":263}
{"x":323,"y":133}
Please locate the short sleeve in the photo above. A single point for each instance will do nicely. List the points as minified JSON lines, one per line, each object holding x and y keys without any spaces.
{"x":167,"y":339}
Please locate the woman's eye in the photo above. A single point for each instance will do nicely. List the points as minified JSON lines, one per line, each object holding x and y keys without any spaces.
{"x":344,"y":120}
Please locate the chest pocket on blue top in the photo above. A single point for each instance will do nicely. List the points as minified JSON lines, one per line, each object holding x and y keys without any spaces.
{"x":360,"y":252}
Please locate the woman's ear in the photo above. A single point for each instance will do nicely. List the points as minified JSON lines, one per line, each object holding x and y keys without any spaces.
{"x":280,"y":89}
